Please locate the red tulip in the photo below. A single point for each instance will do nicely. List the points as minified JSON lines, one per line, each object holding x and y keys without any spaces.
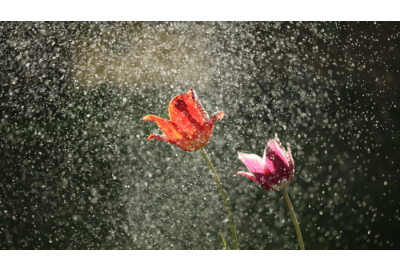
{"x":190,"y":127}
{"x":274,"y":171}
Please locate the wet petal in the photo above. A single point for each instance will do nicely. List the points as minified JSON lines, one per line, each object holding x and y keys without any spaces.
{"x":248,"y":175}
{"x":189,"y":127}
{"x":208,"y":126}
{"x":216,"y":116}
{"x":159,"y":137}
{"x":275,"y":149}
{"x":277,"y":163}
{"x":184,"y":112}
{"x":270,"y":165}
{"x":265,"y":180}
{"x":169,"y":128}
{"x":253,"y":162}
{"x":193,"y":95}
{"x":291,"y":162}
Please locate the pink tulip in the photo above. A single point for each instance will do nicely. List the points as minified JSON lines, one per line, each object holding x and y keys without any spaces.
{"x":274,"y":171}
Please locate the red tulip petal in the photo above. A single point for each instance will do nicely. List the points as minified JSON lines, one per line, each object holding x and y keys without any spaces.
{"x":170,"y":129}
{"x":160,"y":138}
{"x":216,"y":116}
{"x":253,"y":162}
{"x":193,"y":94}
{"x":184,"y":112}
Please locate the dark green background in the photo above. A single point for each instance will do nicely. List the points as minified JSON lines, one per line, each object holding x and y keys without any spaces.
{"x":76,"y":171}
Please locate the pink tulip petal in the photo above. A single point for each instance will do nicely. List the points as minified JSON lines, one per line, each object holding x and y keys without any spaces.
{"x":275,"y":149}
{"x":274,"y":171}
{"x":268,"y":163}
{"x":253,"y":162}
{"x":248,"y":175}
{"x":291,"y":162}
{"x":265,"y":180}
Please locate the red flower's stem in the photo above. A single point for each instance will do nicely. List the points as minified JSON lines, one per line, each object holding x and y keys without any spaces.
{"x":296,"y":224}
{"x":234,"y":238}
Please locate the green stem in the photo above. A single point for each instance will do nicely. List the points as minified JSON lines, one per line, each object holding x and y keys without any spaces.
{"x":203,"y":152}
{"x":296,"y":224}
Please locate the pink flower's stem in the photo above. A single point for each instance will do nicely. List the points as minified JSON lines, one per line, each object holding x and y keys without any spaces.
{"x":296,"y":224}
{"x":234,"y":238}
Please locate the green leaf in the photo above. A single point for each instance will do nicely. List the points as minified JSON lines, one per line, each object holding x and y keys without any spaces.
{"x":223,"y":240}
